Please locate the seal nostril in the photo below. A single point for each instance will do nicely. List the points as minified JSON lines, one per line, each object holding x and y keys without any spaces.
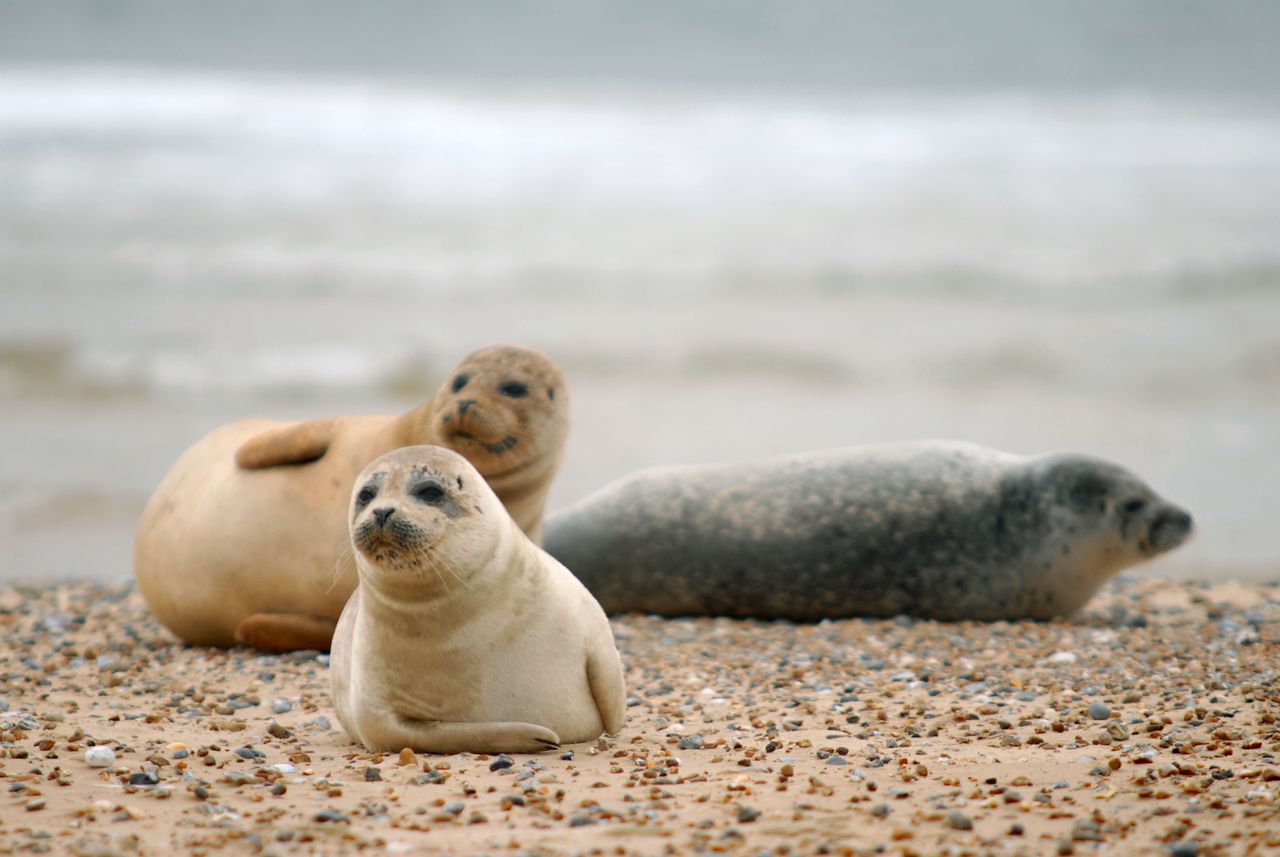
{"x":382,"y":514}
{"x":464,"y":404}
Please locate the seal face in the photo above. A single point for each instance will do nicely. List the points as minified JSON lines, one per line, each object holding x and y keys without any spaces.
{"x":939,"y":529}
{"x":462,"y":634}
{"x":246,"y":537}
{"x":502,"y":409}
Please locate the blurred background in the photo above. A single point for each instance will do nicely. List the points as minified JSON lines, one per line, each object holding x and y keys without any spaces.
{"x":743,"y":228}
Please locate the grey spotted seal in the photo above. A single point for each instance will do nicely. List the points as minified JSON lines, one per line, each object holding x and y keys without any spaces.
{"x":941,"y":530}
{"x":463,"y":635}
{"x":245,"y":539}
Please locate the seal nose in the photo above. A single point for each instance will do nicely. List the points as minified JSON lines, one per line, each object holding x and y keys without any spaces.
{"x":381,"y":515}
{"x":1170,"y":528}
{"x":464,"y":404}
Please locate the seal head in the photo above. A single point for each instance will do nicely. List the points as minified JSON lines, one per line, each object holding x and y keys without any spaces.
{"x":1126,"y":519}
{"x":412,"y":506}
{"x":504,"y":408}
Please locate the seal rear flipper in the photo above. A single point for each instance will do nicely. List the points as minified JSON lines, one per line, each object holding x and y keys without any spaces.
{"x":608,"y":689}
{"x":295,"y":444}
{"x":286,"y":632}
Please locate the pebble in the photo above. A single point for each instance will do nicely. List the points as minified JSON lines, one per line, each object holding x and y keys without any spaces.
{"x":333,"y":815}
{"x":503,"y":761}
{"x":281,"y":706}
{"x":1099,"y":710}
{"x":1063,"y":658}
{"x":1184,"y":849}
{"x":372,"y":775}
{"x":691,"y":742}
{"x":957,"y":820}
{"x":99,"y":757}
{"x":747,"y":814}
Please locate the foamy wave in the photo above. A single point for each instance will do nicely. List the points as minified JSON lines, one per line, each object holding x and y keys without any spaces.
{"x":206,"y":182}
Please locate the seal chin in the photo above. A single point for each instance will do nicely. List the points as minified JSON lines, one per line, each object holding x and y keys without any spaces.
{"x":1171,"y":527}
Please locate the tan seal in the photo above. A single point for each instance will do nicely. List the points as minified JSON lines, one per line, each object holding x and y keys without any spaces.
{"x":246,"y":537}
{"x":463,"y":635}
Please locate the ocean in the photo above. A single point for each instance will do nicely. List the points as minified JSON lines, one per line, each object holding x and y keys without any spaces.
{"x":722,"y":272}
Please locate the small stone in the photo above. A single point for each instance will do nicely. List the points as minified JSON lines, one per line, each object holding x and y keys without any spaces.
{"x":275,"y":730}
{"x":333,"y":815}
{"x":99,"y":757}
{"x":407,"y":757}
{"x":278,"y":789}
{"x":747,"y":814}
{"x":691,"y":742}
{"x":1099,"y":710}
{"x":372,"y":775}
{"x":201,"y":792}
{"x":567,"y":756}
{"x":34,"y":804}
{"x":957,"y":820}
{"x":881,"y":810}
{"x":837,"y":760}
{"x":503,"y":761}
{"x":1184,"y":849}
{"x":281,"y":706}
{"x":1063,"y":658}
{"x":145,"y":778}
{"x":454,"y":808}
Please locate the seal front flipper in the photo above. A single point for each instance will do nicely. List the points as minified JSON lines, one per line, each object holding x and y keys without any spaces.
{"x":295,"y":444}
{"x":436,"y":736}
{"x":286,"y":632}
{"x":604,"y":677}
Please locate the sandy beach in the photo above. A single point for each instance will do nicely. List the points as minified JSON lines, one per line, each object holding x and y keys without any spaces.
{"x":1145,"y":725}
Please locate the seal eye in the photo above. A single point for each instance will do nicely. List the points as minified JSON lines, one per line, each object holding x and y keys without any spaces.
{"x":429,"y":493}
{"x":1133,"y":507}
{"x":514,"y":389}
{"x":366,"y":495}
{"x":460,"y":382}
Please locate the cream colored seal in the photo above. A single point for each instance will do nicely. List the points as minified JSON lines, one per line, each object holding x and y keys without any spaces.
{"x":246,"y":537}
{"x":463,"y":635}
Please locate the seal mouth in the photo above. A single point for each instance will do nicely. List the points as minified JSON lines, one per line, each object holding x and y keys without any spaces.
{"x":496,"y":447}
{"x":1171,"y":527}
{"x":374,"y":541}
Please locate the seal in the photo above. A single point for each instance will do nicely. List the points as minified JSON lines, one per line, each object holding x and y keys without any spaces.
{"x":463,"y":635}
{"x":245,"y":539}
{"x":938,"y":529}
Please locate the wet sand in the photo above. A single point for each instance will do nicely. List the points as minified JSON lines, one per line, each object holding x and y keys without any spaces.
{"x":1146,"y":725}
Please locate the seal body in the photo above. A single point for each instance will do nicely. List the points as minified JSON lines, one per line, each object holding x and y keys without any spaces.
{"x":246,"y":537}
{"x":463,"y":635}
{"x":941,"y":530}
